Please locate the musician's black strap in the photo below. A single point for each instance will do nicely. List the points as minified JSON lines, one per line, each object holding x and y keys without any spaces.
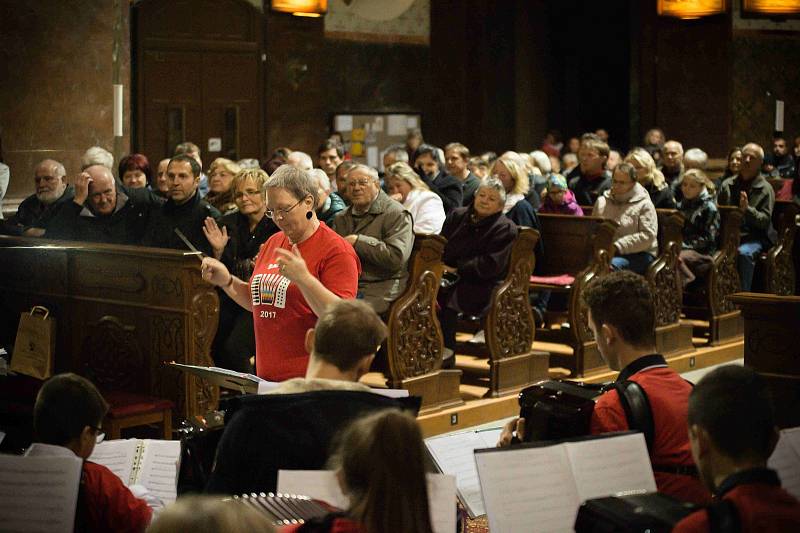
{"x":723,"y":517}
{"x":637,"y":409}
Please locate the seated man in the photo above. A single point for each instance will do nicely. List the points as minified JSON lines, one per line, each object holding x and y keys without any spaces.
{"x":621,"y":317}
{"x":36,"y":211}
{"x":184,"y":210}
{"x":755,"y":197}
{"x":732,"y":433}
{"x":329,"y":204}
{"x":431,"y":169}
{"x":381,"y":231}
{"x":590,"y":179}
{"x":293,"y":427}
{"x":103,"y":211}
{"x":67,"y":417}
{"x":329,"y":155}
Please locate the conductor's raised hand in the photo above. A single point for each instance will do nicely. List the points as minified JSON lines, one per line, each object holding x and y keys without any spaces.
{"x":215,"y":272}
{"x":291,"y":264}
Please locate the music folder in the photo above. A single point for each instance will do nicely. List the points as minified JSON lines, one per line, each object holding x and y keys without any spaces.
{"x":227,"y":379}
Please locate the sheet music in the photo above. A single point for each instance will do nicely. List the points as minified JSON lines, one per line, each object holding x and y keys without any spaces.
{"x":118,"y":456}
{"x":38,"y":494}
{"x":607,"y":466}
{"x":322,"y":485}
{"x":786,"y":460}
{"x":528,"y":489}
{"x":158,"y":470}
{"x":453,"y":455}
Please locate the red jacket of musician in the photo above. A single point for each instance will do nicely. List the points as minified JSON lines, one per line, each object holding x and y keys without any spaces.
{"x":105,"y":504}
{"x":668,"y":394}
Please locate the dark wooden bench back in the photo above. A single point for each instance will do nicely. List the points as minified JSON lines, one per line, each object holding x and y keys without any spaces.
{"x":779,"y":272}
{"x":573,"y":243}
{"x":724,"y":276}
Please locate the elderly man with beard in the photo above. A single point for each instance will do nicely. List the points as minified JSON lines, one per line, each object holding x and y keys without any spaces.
{"x":36,"y":211}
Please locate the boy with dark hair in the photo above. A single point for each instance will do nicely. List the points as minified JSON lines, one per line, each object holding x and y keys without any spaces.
{"x":732,"y":433}
{"x":66,"y":419}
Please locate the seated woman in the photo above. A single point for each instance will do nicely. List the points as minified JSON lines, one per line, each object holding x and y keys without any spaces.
{"x":479,"y":239}
{"x":236,"y":244}
{"x":430,"y":165}
{"x":628,"y":204}
{"x":426,"y":208}
{"x":512,"y":174}
{"x":380,"y":466}
{"x":651,"y":178}
{"x":220,"y":179}
{"x":559,"y":199}
{"x":135,"y":171}
{"x":701,"y":229}
{"x":732,"y":169}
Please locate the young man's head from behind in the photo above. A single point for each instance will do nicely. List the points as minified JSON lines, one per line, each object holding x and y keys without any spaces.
{"x":731,"y":423}
{"x":69,"y":411}
{"x":347,"y":335}
{"x":621,"y":314}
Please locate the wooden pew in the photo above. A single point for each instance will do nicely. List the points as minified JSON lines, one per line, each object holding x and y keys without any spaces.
{"x":581,"y":247}
{"x":777,"y":264}
{"x":415,"y":344}
{"x":509,"y":327}
{"x":708,"y":298}
{"x":121,"y":311}
{"x":672,"y":337}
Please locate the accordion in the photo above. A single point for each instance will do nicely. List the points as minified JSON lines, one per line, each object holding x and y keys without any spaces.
{"x":558,"y":409}
{"x":284,"y":509}
{"x":639,"y":513}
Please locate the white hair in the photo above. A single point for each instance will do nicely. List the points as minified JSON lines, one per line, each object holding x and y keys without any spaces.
{"x":300,"y":160}
{"x":695,"y":158}
{"x":493,"y":184}
{"x":248,"y":163}
{"x":323,"y":180}
{"x":369,"y":171}
{"x":542,"y":161}
{"x":97,"y":155}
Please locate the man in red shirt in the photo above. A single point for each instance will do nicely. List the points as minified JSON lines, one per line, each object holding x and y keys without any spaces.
{"x":732,"y":434}
{"x":622,"y":318}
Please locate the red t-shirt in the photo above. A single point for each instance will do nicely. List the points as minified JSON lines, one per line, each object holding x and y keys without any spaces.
{"x":107,"y":504}
{"x":668,"y":394}
{"x":281,"y":316}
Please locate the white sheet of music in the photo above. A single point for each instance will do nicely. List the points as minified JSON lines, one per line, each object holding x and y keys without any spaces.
{"x":453,"y":455}
{"x":605,"y":467}
{"x":322,"y":485}
{"x":786,"y":460}
{"x":159,"y":468}
{"x":38,"y":494}
{"x":118,"y":456}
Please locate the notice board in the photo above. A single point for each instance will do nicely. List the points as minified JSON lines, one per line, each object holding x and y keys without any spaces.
{"x":367,"y":135}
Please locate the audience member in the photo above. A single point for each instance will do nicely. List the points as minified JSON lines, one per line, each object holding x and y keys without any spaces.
{"x":329,"y":203}
{"x":292,"y":426}
{"x":559,"y":199}
{"x":220,"y":180}
{"x":37,"y":210}
{"x":329,"y":155}
{"x":135,"y":171}
{"x":489,"y":157}
{"x":396,"y":153}
{"x":382,"y":234}
{"x":104,"y":211}
{"x":479,"y":167}
{"x":405,"y":186}
{"x":651,"y":178}
{"x":432,"y":171}
{"x":67,"y":421}
{"x":573,"y":146}
{"x":160,"y":185}
{"x":552,"y":145}
{"x":248,"y":163}
{"x":184,"y":210}
{"x":379,"y":463}
{"x":456,"y":158}
{"x":695,"y":158}
{"x":621,"y":316}
{"x":602,"y":134}
{"x":780,"y":163}
{"x":193,"y":151}
{"x":298,"y":272}
{"x":755,"y":197}
{"x":543,"y":169}
{"x":568,"y":163}
{"x":511,"y":173}
{"x":796,"y":149}
{"x":672,"y":164}
{"x":654,"y":137}
{"x":701,"y":225}
{"x":96,"y":155}
{"x":273,"y":163}
{"x":237,"y":244}
{"x":341,"y":180}
{"x":732,"y":168}
{"x":590,"y":179}
{"x":732,"y":435}
{"x":207,"y":514}
{"x":478,"y":248}
{"x":413,"y":141}
{"x":300,"y":160}
{"x":614,"y":159}
{"x":628,"y":204}
{"x":555,"y":164}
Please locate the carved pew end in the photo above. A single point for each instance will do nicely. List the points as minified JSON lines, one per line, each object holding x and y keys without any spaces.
{"x":439,"y":389}
{"x":512,"y":374}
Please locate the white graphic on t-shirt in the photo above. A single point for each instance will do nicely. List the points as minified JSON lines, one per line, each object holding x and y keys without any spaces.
{"x":269,"y":289}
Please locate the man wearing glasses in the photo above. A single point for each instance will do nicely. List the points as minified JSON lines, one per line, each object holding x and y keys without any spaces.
{"x":36,"y":211}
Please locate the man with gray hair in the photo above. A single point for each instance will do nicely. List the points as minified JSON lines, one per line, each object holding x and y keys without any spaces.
{"x":672,"y":162}
{"x":693,"y":158}
{"x":329,"y":204}
{"x":382,"y":233}
{"x":396,"y":153}
{"x":300,"y":160}
{"x":37,"y":210}
{"x":96,"y":155}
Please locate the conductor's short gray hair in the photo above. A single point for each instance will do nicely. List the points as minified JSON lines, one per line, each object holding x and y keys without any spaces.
{"x":493,"y":184}
{"x":369,"y":171}
{"x":297,"y":181}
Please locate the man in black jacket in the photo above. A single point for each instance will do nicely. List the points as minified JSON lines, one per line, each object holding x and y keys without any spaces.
{"x":430,"y":167}
{"x":35,"y":212}
{"x":184,"y":210}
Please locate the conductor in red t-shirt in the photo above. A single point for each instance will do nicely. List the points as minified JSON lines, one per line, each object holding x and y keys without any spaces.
{"x":298,"y":272}
{"x":622,"y":318}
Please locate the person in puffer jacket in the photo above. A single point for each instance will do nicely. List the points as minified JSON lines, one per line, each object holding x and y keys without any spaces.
{"x":701,"y":229}
{"x":628,"y":204}
{"x":559,"y":199}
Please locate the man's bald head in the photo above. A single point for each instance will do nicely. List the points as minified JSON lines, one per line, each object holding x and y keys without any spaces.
{"x":673,"y":155}
{"x":49,"y":178}
{"x":752,"y":159}
{"x":102,"y":190}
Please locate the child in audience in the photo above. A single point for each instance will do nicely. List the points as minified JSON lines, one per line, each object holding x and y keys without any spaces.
{"x":66,"y":419}
{"x":559,"y":199}
{"x":207,"y":514}
{"x":701,"y":228}
{"x":379,"y":463}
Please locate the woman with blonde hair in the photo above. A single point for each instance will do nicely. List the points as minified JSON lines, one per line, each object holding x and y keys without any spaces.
{"x":513,"y":175}
{"x":220,"y":178}
{"x":380,"y":465}
{"x":651,"y":178}
{"x":426,"y":208}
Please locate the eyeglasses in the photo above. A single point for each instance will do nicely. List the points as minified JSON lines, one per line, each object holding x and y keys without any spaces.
{"x":360,"y":183}
{"x":99,"y":435}
{"x":281,"y":213}
{"x":250,"y":192}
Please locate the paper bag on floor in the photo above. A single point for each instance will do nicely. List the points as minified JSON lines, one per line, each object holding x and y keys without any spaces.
{"x":35,"y":345}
